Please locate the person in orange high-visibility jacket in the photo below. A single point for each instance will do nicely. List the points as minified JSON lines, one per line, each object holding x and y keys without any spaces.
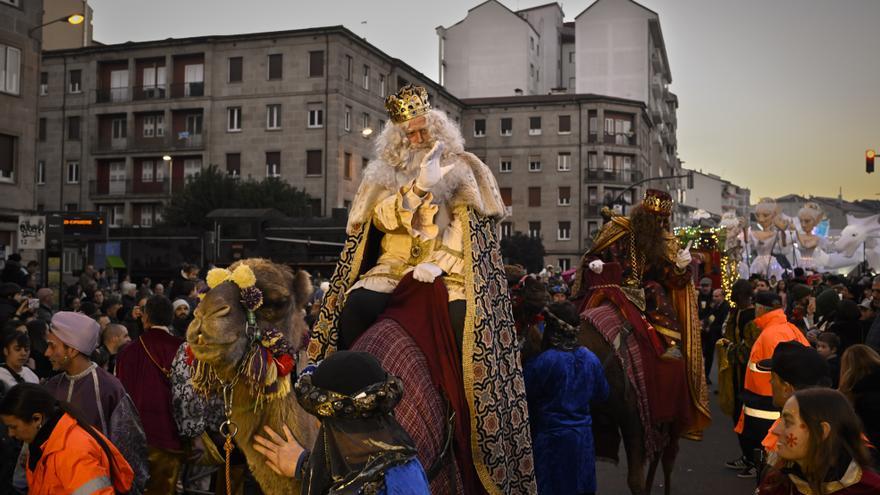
{"x":66,"y":454}
{"x":758,"y":412}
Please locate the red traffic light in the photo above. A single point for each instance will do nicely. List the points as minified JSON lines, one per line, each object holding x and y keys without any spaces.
{"x":869,"y":161}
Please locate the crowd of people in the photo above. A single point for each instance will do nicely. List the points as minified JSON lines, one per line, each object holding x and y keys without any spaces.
{"x":796,"y":357}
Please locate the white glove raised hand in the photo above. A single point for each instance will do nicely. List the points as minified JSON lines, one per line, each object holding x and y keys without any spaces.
{"x":430,"y":171}
{"x":427,"y":272}
{"x":596,"y":266}
{"x":684,"y":256}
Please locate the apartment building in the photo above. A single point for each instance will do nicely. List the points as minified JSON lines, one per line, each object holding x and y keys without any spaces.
{"x":19,"y":62}
{"x":558,"y":160}
{"x":303,"y":105}
{"x":715,"y":195}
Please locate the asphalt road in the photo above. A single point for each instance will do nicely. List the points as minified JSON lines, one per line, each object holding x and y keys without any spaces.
{"x":699,"y":468}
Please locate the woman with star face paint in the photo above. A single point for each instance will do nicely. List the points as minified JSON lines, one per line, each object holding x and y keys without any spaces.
{"x":821,"y":449}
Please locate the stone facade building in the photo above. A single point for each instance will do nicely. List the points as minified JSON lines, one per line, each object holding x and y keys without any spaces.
{"x":19,"y":62}
{"x":558,"y":160}
{"x":291,"y":104}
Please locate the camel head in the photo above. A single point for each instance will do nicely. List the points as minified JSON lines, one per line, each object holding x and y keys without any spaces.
{"x":217,"y":334}
{"x":856,"y":232}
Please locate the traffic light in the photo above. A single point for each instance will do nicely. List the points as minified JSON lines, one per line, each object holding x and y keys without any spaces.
{"x":869,"y":161}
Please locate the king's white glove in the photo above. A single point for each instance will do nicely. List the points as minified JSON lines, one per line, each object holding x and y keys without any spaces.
{"x":430,"y":171}
{"x":596,"y":266}
{"x":684,"y":256}
{"x":427,"y":272}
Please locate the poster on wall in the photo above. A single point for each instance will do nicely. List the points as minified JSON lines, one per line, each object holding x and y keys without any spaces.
{"x":31,"y":232}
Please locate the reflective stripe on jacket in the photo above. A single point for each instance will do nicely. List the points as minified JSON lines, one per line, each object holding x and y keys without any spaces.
{"x":775,"y":328}
{"x":73,"y":462}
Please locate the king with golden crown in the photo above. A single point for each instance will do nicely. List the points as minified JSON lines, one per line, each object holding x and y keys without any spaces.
{"x":422,"y":241}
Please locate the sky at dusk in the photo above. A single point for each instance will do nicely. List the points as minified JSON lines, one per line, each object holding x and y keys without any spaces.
{"x":780,"y":96}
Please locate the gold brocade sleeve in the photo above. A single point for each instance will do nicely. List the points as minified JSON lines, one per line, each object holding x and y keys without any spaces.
{"x":449,"y":252}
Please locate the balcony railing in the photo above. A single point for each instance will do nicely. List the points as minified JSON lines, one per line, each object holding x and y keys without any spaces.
{"x":621,"y":139}
{"x":186,"y":90}
{"x":127,"y":187}
{"x":592,"y":211}
{"x":108,"y":144}
{"x":613,"y":176}
{"x":154,"y":92}
{"x":112,"y":95}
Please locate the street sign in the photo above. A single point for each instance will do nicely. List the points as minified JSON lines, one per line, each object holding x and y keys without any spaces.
{"x":31,"y":232}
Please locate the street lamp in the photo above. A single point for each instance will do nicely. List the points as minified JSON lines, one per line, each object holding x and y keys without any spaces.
{"x":366,"y":132}
{"x":74,"y":19}
{"x":167,"y":160}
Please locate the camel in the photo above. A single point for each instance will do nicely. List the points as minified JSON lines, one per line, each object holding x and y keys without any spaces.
{"x":621,"y":412}
{"x":217,"y":338}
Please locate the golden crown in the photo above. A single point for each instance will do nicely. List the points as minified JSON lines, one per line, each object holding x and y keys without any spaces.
{"x":657,"y":202}
{"x":409,"y":102}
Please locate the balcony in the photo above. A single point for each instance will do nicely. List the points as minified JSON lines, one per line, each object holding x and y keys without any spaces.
{"x":110,"y":145}
{"x":613,"y":176}
{"x":188,"y":89}
{"x":127,"y":187}
{"x":146,"y":93}
{"x":621,"y":139}
{"x":592,"y":211}
{"x":112,"y":95}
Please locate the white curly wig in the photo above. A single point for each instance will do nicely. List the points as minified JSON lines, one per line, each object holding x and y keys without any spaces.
{"x":393,"y":147}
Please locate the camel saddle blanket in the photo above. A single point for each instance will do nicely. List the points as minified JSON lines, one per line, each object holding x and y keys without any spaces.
{"x":611,"y":325}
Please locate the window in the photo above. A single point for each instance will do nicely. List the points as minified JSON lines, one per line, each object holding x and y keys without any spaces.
{"x":160,"y":125}
{"x":479,"y":127}
{"x":563,"y":232}
{"x":233,"y":165}
{"x":316,"y":64}
{"x":194,"y":124}
{"x":41,"y":172}
{"x":506,"y":195}
{"x":592,"y":196}
{"x":146,"y":215}
{"x":149,"y":126}
{"x":233,"y":119}
{"x":147,"y":168}
{"x":571,"y":57}
{"x":73,"y":172}
{"x":44,"y":83}
{"x":117,"y":177}
{"x":314,"y":167}
{"x":119,"y":130}
{"x":75,"y":83}
{"x":366,"y":78}
{"x":347,"y":119}
{"x":10,"y":69}
{"x":8,"y":153}
{"x":534,"y":164}
{"x":563,"y":161}
{"x":564,"y":264}
{"x":592,"y":161}
{"x":608,"y":163}
{"x":534,"y":196}
{"x":273,"y":164}
{"x":154,"y":77}
{"x":564,"y":196}
{"x":117,"y":216}
{"x":565,"y":124}
{"x":534,"y":126}
{"x":346,"y":172}
{"x":42,"y":131}
{"x":382,"y":85}
{"x":506,"y":229}
{"x":191,"y":167}
{"x":316,"y":116}
{"x":275,"y":63}
{"x":348,"y":67}
{"x":531,"y":69}
{"x":160,"y":170}
{"x":534,"y":229}
{"x":506,"y":165}
{"x":273,"y":116}
{"x":235,"y":69}
{"x":365,"y":120}
{"x":593,"y":126}
{"x":506,"y":126}
{"x":364,"y":162}
{"x":73,"y":128}
{"x":609,"y":126}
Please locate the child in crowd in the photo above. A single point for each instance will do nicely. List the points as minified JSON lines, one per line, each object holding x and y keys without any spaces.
{"x":827,"y":344}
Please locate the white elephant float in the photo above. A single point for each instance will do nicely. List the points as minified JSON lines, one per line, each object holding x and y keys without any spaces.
{"x":857,"y":242}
